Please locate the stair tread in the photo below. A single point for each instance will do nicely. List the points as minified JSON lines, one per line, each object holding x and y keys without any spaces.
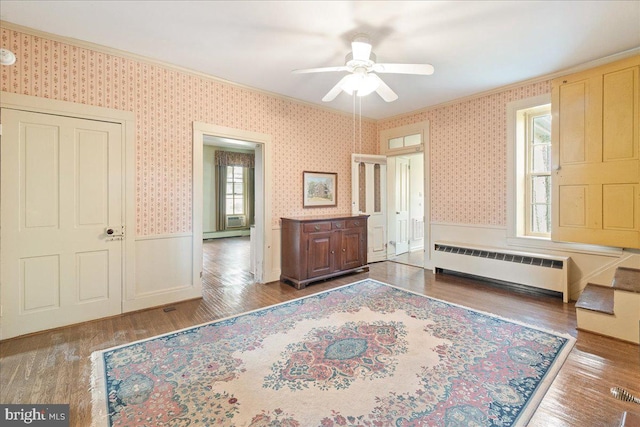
{"x":627,"y":279}
{"x":596,"y":298}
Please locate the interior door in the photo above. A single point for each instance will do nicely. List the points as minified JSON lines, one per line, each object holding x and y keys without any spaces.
{"x":61,"y":221}
{"x":402,"y":205}
{"x":369,"y":178}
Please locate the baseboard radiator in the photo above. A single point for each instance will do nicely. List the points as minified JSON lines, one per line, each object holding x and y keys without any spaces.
{"x":548,"y":272}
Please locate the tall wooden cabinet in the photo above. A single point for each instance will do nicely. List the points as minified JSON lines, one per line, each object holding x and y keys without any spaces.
{"x":596,"y":155}
{"x":320,"y":247}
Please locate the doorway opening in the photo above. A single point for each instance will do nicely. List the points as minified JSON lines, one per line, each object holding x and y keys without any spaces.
{"x":409,"y":190}
{"x":406,"y":219}
{"x":229,"y":204}
{"x":260,"y":234}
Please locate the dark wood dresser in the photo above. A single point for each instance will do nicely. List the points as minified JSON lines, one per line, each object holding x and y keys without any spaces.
{"x":319,"y":247}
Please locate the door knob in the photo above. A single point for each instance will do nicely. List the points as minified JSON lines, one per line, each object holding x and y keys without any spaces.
{"x":110,"y":231}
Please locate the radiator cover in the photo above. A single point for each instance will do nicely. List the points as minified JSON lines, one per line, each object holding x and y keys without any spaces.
{"x":542,"y":271}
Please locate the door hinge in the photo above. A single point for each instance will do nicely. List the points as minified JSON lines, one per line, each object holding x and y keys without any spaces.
{"x":201,"y":274}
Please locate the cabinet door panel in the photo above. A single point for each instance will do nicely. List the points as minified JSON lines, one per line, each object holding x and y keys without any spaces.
{"x":321,"y":253}
{"x":351,"y":249}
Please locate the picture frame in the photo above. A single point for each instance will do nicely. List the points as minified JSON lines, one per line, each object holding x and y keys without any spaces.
{"x":319,"y":189}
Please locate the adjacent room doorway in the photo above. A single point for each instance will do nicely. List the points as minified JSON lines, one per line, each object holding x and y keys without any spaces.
{"x":408,"y":184}
{"x":261,"y":256}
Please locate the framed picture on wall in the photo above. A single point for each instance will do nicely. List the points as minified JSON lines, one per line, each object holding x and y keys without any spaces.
{"x":320,"y":189}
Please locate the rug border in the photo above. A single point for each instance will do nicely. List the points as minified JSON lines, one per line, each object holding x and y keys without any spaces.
{"x":545,"y":383}
{"x":98,"y":375}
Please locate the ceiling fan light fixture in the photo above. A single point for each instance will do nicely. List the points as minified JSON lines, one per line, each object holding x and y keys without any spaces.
{"x":361,"y":83}
{"x":368,"y":85}
{"x":351,"y":83}
{"x":363,"y":68}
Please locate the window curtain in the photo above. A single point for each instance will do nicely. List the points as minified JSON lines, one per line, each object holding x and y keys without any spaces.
{"x":247,"y":161}
{"x":250,"y":179}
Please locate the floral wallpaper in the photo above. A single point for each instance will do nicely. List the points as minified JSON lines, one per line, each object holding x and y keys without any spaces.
{"x":468,"y":138}
{"x":468,"y":164}
{"x":166,"y":101}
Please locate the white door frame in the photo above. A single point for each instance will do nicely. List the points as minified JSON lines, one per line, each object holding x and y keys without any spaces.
{"x":424,"y":129}
{"x":264,"y":256}
{"x":126,"y":119}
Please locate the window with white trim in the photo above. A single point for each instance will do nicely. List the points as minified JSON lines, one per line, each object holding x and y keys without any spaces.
{"x":235,"y":190}
{"x":531,"y":184}
{"x":537,"y":125}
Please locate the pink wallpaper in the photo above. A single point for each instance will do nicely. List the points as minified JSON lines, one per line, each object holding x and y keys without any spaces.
{"x":166,"y":102}
{"x":469,"y":156}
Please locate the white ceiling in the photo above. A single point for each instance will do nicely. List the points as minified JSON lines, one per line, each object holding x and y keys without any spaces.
{"x":474,"y":46}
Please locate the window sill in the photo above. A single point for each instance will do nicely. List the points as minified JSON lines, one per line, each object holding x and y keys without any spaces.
{"x":548,"y":244}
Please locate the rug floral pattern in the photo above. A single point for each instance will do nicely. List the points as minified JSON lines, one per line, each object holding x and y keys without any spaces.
{"x":367,"y":354}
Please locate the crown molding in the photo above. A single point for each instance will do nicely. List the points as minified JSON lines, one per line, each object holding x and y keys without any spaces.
{"x":141,"y":58}
{"x":546,"y":77}
{"x":117,"y":52}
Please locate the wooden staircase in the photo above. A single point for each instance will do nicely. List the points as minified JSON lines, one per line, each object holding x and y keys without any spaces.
{"x":612,"y":310}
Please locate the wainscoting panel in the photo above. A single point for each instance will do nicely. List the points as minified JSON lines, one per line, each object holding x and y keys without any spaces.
{"x":163,"y":272}
{"x":273,"y":258}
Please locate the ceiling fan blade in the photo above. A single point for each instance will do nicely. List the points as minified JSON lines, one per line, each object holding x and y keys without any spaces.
{"x":319,"y":70}
{"x":385,"y":91}
{"x":331,"y":95}
{"x":423,"y":69}
{"x":361,"y":50}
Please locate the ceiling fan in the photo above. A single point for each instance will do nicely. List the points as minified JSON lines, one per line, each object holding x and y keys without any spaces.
{"x":362,"y":67}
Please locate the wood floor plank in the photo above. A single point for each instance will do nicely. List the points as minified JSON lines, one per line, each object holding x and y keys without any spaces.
{"x":55,"y":367}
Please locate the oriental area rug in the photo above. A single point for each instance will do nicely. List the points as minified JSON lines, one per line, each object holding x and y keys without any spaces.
{"x":365,"y":354}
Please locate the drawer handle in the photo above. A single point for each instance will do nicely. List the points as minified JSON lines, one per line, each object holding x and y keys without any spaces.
{"x":317,"y":227}
{"x":356,"y":223}
{"x":333,"y":252}
{"x":338,"y":225}
{"x":344,"y":250}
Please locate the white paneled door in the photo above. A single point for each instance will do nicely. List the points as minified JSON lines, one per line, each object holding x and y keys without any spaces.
{"x":61,"y":221}
{"x":369,"y":181}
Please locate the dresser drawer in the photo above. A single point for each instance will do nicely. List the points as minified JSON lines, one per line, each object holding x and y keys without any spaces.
{"x":355,"y":223}
{"x":338,"y":225}
{"x":314,"y":227}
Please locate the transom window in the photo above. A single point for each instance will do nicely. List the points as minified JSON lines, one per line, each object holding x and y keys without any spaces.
{"x":405,"y":141}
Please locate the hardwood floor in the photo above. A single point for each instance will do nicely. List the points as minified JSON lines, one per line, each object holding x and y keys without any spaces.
{"x":54,"y":367}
